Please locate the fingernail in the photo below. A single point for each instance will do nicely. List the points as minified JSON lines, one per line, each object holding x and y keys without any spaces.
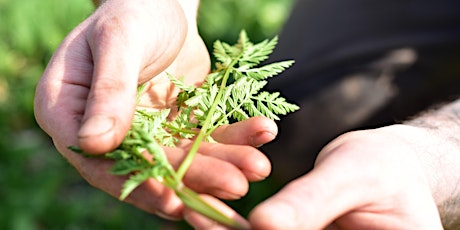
{"x":167,"y":217}
{"x":255,"y":176}
{"x":96,"y":125}
{"x":227,"y":195}
{"x":260,"y":138}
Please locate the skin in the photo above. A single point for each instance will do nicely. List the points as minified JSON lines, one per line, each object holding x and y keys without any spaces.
{"x":358,"y":183}
{"x":396,"y":177}
{"x":87,"y":97}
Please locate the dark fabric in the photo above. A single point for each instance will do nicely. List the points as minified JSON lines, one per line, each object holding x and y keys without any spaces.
{"x":361,"y":64}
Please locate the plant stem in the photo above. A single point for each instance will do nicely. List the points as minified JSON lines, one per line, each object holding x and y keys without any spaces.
{"x":204,"y":130}
{"x":187,"y":131}
{"x":195,"y":202}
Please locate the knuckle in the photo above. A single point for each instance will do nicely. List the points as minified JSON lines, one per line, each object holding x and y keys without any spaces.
{"x":106,"y":88}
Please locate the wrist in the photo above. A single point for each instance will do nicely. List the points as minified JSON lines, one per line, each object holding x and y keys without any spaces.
{"x":439,"y":152}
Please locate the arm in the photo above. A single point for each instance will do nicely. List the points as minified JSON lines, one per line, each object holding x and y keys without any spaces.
{"x":442,"y":160}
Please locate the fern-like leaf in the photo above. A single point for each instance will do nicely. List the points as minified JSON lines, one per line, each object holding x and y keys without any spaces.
{"x":133,"y":182}
{"x":257,"y":53}
{"x":267,"y":71}
{"x":271,"y":105}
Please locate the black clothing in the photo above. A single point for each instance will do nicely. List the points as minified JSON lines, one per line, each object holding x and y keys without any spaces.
{"x":360,"y":64}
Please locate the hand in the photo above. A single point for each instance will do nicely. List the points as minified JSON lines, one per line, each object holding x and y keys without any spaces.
{"x":87,"y":97}
{"x":369,"y":179}
{"x":372,"y":179}
{"x":88,"y":91}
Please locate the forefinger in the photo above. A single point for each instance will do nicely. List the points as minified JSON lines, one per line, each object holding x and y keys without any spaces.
{"x":254,"y":131}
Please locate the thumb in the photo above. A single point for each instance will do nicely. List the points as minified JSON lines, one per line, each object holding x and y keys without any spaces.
{"x":123,"y":50}
{"x":306,"y":203}
{"x":112,"y":93}
{"x":110,"y":103}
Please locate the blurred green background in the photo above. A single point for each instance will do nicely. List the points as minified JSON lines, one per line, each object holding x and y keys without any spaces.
{"x":38,"y":188}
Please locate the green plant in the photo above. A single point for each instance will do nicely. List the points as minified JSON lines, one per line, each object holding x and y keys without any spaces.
{"x":233,"y":92}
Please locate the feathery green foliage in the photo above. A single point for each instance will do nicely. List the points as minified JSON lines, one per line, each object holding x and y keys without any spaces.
{"x":233,"y":92}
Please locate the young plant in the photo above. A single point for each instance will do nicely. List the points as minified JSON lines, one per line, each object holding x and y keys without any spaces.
{"x":232,"y":92}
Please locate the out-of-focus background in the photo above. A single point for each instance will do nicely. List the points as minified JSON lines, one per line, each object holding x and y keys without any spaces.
{"x":38,"y":188}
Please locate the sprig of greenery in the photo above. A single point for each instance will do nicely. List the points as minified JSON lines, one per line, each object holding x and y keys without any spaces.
{"x":233,"y":92}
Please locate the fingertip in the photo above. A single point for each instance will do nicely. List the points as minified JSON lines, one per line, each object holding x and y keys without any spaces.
{"x":199,"y":221}
{"x":274,"y":214}
{"x":267,"y":131}
{"x":257,"y":168}
{"x":233,"y":187}
{"x":226,"y":181}
{"x":98,"y":134}
{"x":254,"y":131}
{"x":261,"y":138}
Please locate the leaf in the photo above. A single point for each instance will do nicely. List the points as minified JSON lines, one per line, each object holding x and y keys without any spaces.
{"x":179,"y":83}
{"x":254,"y":54}
{"x":183,"y":125}
{"x":75,"y":149}
{"x":194,"y":100}
{"x":118,"y":154}
{"x":224,"y":53}
{"x":239,"y":114}
{"x":140,"y":89}
{"x":186,"y":91}
{"x":125,"y":167}
{"x":271,"y":105}
{"x":243,"y":41}
{"x":267,"y":71}
{"x":133,"y":182}
{"x":220,"y":53}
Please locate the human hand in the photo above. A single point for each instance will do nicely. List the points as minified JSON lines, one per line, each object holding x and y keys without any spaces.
{"x":87,"y":97}
{"x":87,"y":94}
{"x":371,"y":179}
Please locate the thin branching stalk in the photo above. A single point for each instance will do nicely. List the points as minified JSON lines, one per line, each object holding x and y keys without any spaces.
{"x":204,"y":130}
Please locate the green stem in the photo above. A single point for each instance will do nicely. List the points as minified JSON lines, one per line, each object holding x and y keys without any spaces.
{"x":203,"y":131}
{"x":187,"y":131}
{"x":195,"y":202}
{"x":228,"y":115}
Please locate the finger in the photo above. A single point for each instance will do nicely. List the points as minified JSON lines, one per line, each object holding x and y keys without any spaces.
{"x":112,"y":91}
{"x":255,"y":131}
{"x":252,"y":163}
{"x":201,"y":222}
{"x":206,"y":175}
{"x":211,"y":175}
{"x":124,"y":53}
{"x":151,"y":196}
{"x":302,"y":204}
